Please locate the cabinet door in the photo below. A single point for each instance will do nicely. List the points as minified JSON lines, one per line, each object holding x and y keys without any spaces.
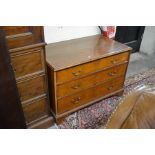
{"x":11,"y":114}
{"x":19,"y":36}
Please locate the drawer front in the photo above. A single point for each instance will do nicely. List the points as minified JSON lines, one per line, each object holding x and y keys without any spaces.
{"x":20,"y":36}
{"x":70,"y":102}
{"x":31,"y":88}
{"x":109,"y":87}
{"x":28,"y":62}
{"x":35,"y":110}
{"x":111,"y":61}
{"x":91,"y":80}
{"x":81,"y":70}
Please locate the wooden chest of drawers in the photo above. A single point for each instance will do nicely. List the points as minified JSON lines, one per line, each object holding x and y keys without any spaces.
{"x":27,"y":53}
{"x":83,"y":71}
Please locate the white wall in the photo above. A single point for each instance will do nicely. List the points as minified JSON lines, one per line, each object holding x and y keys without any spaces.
{"x":148,"y":41}
{"x":57,"y":33}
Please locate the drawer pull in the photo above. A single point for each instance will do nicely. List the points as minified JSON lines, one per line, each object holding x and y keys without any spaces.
{"x":114,"y":61}
{"x":112,"y":73}
{"x":76,"y":86}
{"x":76,"y":73}
{"x":76,"y":100}
{"x":110,"y":88}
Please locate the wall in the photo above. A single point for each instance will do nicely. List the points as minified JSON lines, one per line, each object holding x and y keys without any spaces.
{"x":57,"y":33}
{"x":148,"y":41}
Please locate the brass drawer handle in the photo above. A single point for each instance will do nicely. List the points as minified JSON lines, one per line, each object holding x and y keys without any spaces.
{"x":112,"y":73}
{"x":77,"y":73}
{"x":76,"y":86}
{"x":114,"y":61}
{"x":110,"y":88}
{"x":76,"y":100}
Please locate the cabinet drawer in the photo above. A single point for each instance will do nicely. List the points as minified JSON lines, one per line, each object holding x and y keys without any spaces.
{"x":81,"y":70}
{"x":83,"y":83}
{"x":28,"y":62}
{"x":35,"y":110}
{"x":31,"y":88}
{"x":70,"y":102}
{"x":111,"y":61}
{"x":109,"y":87}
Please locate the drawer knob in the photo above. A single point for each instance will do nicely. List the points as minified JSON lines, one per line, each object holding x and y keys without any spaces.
{"x":76,"y":86}
{"x":76,"y":73}
{"x":112,"y":73}
{"x":76,"y":100}
{"x":114,"y":61}
{"x":110,"y":88}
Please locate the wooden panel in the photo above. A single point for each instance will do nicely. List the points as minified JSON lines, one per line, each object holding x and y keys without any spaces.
{"x":35,"y":110}
{"x":67,"y":54}
{"x":13,"y":30}
{"x":83,"y":83}
{"x":31,"y":88}
{"x":23,"y":35}
{"x":26,"y":47}
{"x":70,"y":102}
{"x":43,"y":123}
{"x":111,"y":61}
{"x":109,"y":87}
{"x":81,"y":70}
{"x":28,"y":62}
{"x":11,"y":113}
{"x":52,"y":88}
{"x":19,"y":41}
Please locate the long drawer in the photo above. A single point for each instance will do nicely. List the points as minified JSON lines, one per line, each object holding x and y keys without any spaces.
{"x":27,"y":62}
{"x":35,"y":109}
{"x":91,"y":80}
{"x":70,"y":102}
{"x":31,"y":88}
{"x":81,"y":70}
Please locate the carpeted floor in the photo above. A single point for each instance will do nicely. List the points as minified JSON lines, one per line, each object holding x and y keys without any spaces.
{"x":97,"y":114}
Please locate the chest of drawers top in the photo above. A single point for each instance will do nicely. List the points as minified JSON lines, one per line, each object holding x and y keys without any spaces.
{"x":74,"y":52}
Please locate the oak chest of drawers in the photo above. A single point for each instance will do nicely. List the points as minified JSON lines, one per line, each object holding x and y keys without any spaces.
{"x":27,"y":53}
{"x":83,"y":71}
